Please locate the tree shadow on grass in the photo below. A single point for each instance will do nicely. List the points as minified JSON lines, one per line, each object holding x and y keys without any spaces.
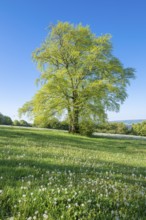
{"x":33,"y":170}
{"x":46,"y":138}
{"x":13,"y":170}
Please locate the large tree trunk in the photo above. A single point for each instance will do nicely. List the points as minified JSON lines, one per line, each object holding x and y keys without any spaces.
{"x":75,"y":118}
{"x":74,"y":115}
{"x":75,"y":124}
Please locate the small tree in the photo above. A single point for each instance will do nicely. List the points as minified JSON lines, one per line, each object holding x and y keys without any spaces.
{"x":112,"y":127}
{"x":79,"y":76}
{"x":16,"y":123}
{"x":5,"y":120}
{"x":24,"y":123}
{"x":139,"y":128}
{"x":1,"y":119}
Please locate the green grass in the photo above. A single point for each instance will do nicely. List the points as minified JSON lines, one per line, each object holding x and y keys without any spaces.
{"x":57,"y":176}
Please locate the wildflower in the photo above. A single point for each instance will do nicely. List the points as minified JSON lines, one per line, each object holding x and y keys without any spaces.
{"x":112,"y":212}
{"x":98,"y":205}
{"x":45,"y":216}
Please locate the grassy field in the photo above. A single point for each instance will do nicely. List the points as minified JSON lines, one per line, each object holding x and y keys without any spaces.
{"x":57,"y":176}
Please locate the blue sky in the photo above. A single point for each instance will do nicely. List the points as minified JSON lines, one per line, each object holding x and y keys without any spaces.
{"x":24,"y":25}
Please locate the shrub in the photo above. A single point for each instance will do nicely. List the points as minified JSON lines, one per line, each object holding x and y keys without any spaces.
{"x":16,"y":123}
{"x":64,"y":125}
{"x":139,"y":128}
{"x":113,"y":128}
{"x":24,"y":123}
{"x":52,"y":123}
{"x":87,"y":127}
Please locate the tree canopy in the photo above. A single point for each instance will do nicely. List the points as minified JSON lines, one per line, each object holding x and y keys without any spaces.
{"x":5,"y":120}
{"x":80,"y":77}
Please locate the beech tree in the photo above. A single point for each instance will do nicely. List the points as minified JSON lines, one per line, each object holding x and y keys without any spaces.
{"x":80,"y":77}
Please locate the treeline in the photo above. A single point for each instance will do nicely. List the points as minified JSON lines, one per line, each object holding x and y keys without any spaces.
{"x":139,"y":129}
{"x":53,"y":123}
{"x":121,"y":128}
{"x":113,"y":128}
{"x":21,"y":123}
{"x":86,"y":128}
{"x":6,"y":120}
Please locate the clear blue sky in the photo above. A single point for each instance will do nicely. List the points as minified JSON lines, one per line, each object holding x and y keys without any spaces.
{"x":23,"y":25}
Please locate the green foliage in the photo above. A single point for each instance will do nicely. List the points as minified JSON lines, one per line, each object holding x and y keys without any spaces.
{"x":52,"y":123}
{"x":16,"y":123}
{"x":87,"y":127}
{"x":64,"y":125}
{"x":21,"y":123}
{"x":139,"y":128}
{"x":113,"y":128}
{"x":1,"y":119}
{"x":24,"y":123}
{"x":59,"y":176}
{"x":79,"y":76}
{"x":5,"y":120}
{"x":27,"y":109}
{"x":41,"y":122}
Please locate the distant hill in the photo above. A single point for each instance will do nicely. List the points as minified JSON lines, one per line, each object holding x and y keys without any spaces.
{"x":130,"y":122}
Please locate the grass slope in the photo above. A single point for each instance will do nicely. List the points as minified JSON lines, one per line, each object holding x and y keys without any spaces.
{"x":55,"y":175}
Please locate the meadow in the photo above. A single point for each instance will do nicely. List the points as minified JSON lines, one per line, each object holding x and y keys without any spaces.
{"x":54,"y":175}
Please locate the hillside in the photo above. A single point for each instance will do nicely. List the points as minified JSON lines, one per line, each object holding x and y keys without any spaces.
{"x":54,"y":175}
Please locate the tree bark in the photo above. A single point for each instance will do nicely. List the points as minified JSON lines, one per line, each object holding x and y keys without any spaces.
{"x":76,"y":121}
{"x":74,"y":125}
